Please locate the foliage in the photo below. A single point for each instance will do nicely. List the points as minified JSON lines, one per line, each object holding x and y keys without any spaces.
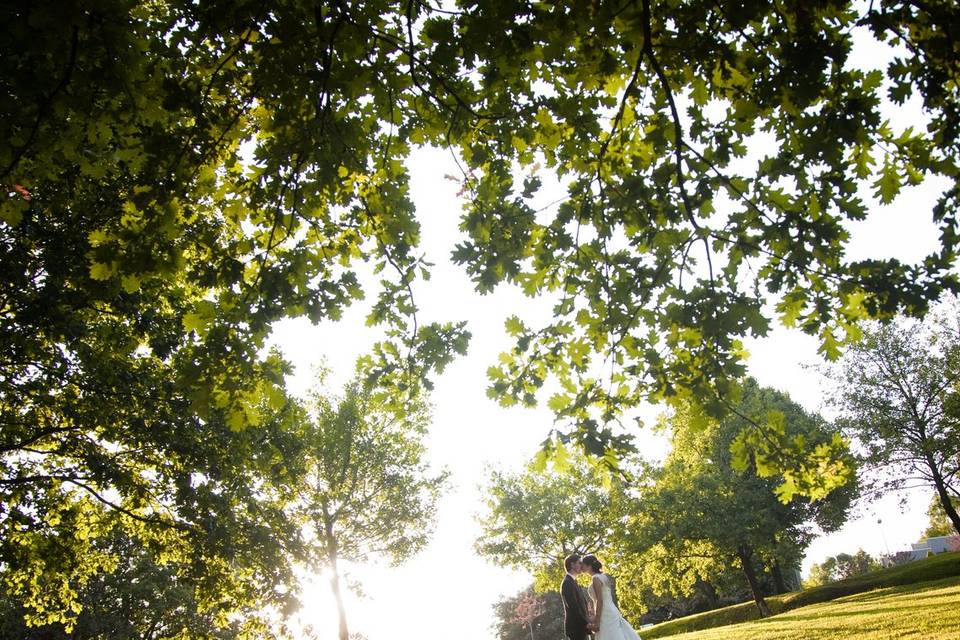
{"x":713,"y":157}
{"x":366,"y":489}
{"x":513,"y":624}
{"x":139,"y":598}
{"x":670,"y":531}
{"x":705,"y":512}
{"x":944,"y":567}
{"x":535,"y":518}
{"x":173,"y":185}
{"x":180,"y":176}
{"x":926,"y":609}
{"x":897,"y":390}
{"x":822,"y":573}
{"x":851,"y":566}
{"x":203,"y":499}
{"x":650,"y":595}
{"x":938,"y":524}
{"x":841,"y":567}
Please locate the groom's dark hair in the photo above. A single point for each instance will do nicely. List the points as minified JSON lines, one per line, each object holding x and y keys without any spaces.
{"x":569,"y":560}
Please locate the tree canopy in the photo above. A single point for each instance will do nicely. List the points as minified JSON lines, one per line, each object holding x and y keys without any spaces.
{"x":365,"y":488}
{"x":674,"y":529}
{"x":143,"y":597}
{"x":529,"y":615}
{"x":897,"y":391}
{"x":182,"y":175}
{"x":841,"y":567}
{"x":703,"y":512}
{"x":535,"y":518}
{"x":740,"y":138}
{"x":938,"y":524}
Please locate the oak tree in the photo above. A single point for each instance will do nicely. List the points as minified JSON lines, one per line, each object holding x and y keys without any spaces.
{"x":706,"y":502}
{"x":896,"y":390}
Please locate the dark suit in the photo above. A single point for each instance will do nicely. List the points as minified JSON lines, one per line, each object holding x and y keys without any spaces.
{"x":574,"y":609}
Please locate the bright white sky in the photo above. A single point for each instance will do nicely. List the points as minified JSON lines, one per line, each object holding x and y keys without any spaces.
{"x":447,"y":590}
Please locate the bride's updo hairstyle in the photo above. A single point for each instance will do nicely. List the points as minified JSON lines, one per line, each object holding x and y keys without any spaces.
{"x":592,"y":562}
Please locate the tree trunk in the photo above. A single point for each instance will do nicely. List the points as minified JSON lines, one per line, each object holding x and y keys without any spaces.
{"x":746,"y":555}
{"x":709,"y":592}
{"x":778,"y":580}
{"x":945,"y":501}
{"x":332,"y":563}
{"x":341,"y":611}
{"x":531,"y":629}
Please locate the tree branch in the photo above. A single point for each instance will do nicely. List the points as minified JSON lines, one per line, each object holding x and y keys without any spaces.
{"x":677,"y":130}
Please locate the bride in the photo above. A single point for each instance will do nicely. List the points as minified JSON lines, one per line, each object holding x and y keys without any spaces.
{"x":608,"y":621}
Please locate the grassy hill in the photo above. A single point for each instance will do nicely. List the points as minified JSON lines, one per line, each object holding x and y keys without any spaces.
{"x":936,"y":568}
{"x":928,"y":610}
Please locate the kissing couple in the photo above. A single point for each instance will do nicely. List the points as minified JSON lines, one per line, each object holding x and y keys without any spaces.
{"x":600,"y":618}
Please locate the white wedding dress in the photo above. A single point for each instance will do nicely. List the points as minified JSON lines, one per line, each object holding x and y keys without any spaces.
{"x":612,"y":624}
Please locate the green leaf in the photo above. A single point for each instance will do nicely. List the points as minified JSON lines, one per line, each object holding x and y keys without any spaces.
{"x":237,"y":419}
{"x":560,"y":457}
{"x":200,"y":318}
{"x":12,"y":210}
{"x":130,"y":283}
{"x":101,"y":271}
{"x":829,"y":346}
{"x":559,"y":401}
{"x":887,"y":185}
{"x":514,"y":326}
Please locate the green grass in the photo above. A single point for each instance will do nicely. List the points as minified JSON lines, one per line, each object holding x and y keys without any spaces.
{"x":939,"y":567}
{"x":924,"y":611}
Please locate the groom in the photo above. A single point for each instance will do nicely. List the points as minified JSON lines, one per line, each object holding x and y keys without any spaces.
{"x":576,"y":620}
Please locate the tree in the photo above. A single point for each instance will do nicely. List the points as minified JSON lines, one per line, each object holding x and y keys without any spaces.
{"x":366,"y":488}
{"x":823,"y":573}
{"x":182,"y":175}
{"x":895,"y":391}
{"x":529,"y":615}
{"x":661,"y":582}
{"x":938,"y":524}
{"x":842,"y":567}
{"x":704,"y":504}
{"x":141,"y":597}
{"x":204,"y":500}
{"x":529,"y":608}
{"x":663,"y":221}
{"x":850,"y":566}
{"x":537,"y":517}
{"x":145,"y":262}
